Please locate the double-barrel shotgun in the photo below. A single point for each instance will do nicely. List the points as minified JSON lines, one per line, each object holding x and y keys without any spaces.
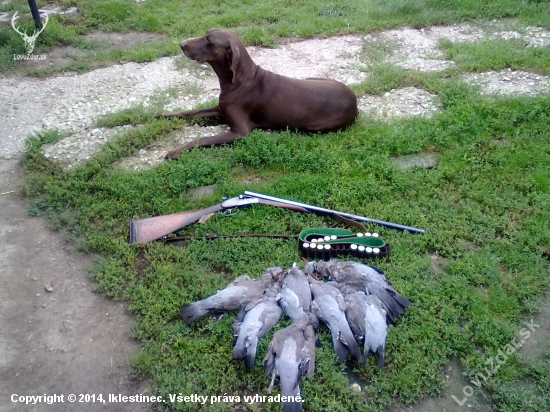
{"x":153,"y":228}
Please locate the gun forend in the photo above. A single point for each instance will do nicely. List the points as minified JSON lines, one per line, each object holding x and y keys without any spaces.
{"x":317,"y":209}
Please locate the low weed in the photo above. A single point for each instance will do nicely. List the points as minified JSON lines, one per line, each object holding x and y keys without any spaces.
{"x":485,"y":208}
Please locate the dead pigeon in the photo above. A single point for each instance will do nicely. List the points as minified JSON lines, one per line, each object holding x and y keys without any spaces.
{"x":357,"y":277}
{"x":241,"y":291}
{"x":367,"y":319}
{"x":291,"y":354}
{"x":295,"y":293}
{"x":329,"y":306}
{"x":257,"y":319}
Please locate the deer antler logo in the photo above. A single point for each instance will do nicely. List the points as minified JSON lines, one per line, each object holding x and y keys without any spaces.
{"x":29,"y":40}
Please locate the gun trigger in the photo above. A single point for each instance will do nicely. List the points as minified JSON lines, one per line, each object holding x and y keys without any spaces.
{"x":230,"y":212}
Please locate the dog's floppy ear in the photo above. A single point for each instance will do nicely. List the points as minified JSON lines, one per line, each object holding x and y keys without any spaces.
{"x":233,"y":56}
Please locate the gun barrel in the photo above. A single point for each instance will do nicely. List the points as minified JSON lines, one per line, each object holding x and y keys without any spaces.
{"x":323,"y":210}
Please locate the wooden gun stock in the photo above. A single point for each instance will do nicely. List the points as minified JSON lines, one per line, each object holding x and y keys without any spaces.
{"x":153,"y":228}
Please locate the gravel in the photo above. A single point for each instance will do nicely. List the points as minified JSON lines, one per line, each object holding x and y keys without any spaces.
{"x":153,"y":155}
{"x":509,"y":82}
{"x":333,"y":57}
{"x":71,"y":103}
{"x":417,"y":49}
{"x":80,"y":146}
{"x":408,"y":101}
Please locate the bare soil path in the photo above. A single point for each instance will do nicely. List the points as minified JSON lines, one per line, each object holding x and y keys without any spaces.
{"x":56,"y":335}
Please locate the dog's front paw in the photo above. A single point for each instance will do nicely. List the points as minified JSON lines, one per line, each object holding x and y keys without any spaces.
{"x":174,"y":154}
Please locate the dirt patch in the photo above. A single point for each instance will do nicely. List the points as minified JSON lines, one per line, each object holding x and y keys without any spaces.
{"x":57,"y":57}
{"x":456,"y":380}
{"x":56,"y":335}
{"x":538,"y":344}
{"x":126,"y":39}
{"x":424,"y":160}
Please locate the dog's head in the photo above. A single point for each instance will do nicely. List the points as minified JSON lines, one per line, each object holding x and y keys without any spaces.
{"x":217,"y":47}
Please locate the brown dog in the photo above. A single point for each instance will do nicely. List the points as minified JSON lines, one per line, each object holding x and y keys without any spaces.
{"x":253,"y":97}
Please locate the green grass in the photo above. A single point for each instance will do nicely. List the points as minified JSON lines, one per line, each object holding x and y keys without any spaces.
{"x":497,"y":55}
{"x":257,"y":22}
{"x":485,"y":207}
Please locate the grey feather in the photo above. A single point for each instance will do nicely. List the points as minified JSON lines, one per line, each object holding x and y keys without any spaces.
{"x":241,"y":291}
{"x":329,"y":306}
{"x":357,"y":277}
{"x":255,"y":323}
{"x":291,"y":354}
{"x":367,"y":320}
{"x":376,"y":329}
{"x":295,"y":293}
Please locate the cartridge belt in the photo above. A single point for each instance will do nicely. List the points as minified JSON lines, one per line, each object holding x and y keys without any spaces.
{"x":326,"y":243}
